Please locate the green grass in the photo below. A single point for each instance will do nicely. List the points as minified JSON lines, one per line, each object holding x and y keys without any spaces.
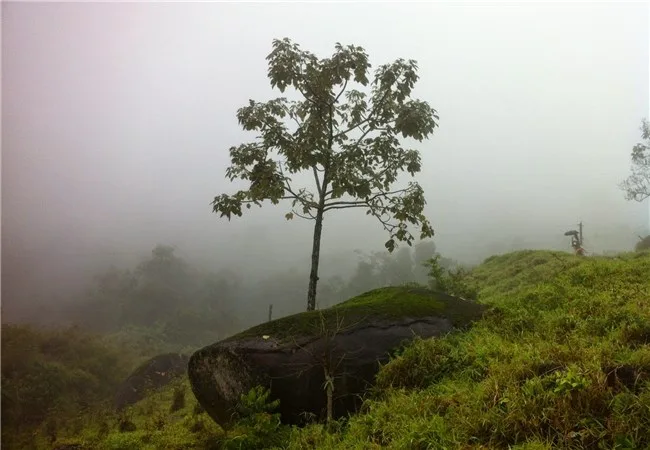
{"x":170,"y":418}
{"x":374,"y":306}
{"x":562,"y":360}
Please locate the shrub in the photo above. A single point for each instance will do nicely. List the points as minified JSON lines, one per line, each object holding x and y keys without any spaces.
{"x":452,"y":281}
{"x":643,"y":244}
{"x":257,"y":426}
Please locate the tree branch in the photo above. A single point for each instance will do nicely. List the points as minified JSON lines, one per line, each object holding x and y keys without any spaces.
{"x":301,"y":76}
{"x":293,"y":117}
{"x":309,"y":217}
{"x":360,"y":205}
{"x":308,"y":87}
{"x":318,"y":185}
{"x":365,"y":202}
{"x":345,"y":85}
{"x":306,"y":203}
{"x":385,"y":223}
{"x":281,"y":198}
{"x":365,"y":133}
{"x":374,"y":110}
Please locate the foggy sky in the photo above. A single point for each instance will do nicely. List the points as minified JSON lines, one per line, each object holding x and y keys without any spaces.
{"x":117,"y":119}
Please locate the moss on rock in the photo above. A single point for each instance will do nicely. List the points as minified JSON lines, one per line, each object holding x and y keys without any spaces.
{"x":374,"y":307}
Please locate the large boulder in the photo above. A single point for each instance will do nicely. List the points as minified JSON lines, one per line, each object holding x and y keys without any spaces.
{"x":153,"y":374}
{"x":291,"y":355}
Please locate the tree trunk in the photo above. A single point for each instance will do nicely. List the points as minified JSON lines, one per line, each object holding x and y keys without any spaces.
{"x":315,"y":258}
{"x":330,"y":399}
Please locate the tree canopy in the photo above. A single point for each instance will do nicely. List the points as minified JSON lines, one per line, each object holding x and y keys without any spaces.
{"x":345,"y":131}
{"x":637,"y":185}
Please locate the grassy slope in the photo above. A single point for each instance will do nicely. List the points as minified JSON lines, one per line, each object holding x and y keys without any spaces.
{"x":62,"y":382}
{"x":562,"y":361}
{"x":167,"y":419}
{"x":49,"y":376}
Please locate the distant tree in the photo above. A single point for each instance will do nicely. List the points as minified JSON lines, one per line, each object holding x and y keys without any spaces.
{"x":164,"y":268}
{"x":637,"y":185}
{"x":397,"y":268}
{"x":423,"y":252}
{"x":379,"y":269}
{"x":332,"y":291}
{"x":363,"y":279}
{"x":643,"y":244}
{"x":101,"y":309}
{"x":164,"y":282}
{"x":217,"y":292}
{"x":166,"y":299}
{"x":346,"y":138}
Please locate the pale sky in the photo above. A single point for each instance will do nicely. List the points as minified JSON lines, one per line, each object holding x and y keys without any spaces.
{"x":117,"y":119}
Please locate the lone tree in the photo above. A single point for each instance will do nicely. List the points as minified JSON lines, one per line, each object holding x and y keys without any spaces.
{"x":637,"y":185}
{"x":346,"y":138}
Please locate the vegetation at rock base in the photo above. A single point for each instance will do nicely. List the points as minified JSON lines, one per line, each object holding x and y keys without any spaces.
{"x":561,"y":360}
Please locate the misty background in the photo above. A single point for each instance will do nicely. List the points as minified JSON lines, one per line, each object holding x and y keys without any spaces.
{"x":117,"y":119}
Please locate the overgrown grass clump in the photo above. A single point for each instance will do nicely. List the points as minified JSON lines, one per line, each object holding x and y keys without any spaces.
{"x":562,"y":360}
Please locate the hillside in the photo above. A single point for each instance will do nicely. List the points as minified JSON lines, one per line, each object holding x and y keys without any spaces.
{"x":561,"y":360}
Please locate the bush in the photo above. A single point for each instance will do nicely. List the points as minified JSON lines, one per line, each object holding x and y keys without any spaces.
{"x":257,"y":426}
{"x":643,"y":244}
{"x":452,"y":281}
{"x":56,"y":374}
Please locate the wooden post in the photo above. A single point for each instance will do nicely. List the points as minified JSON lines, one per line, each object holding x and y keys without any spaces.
{"x":580,"y":231}
{"x":270,"y":311}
